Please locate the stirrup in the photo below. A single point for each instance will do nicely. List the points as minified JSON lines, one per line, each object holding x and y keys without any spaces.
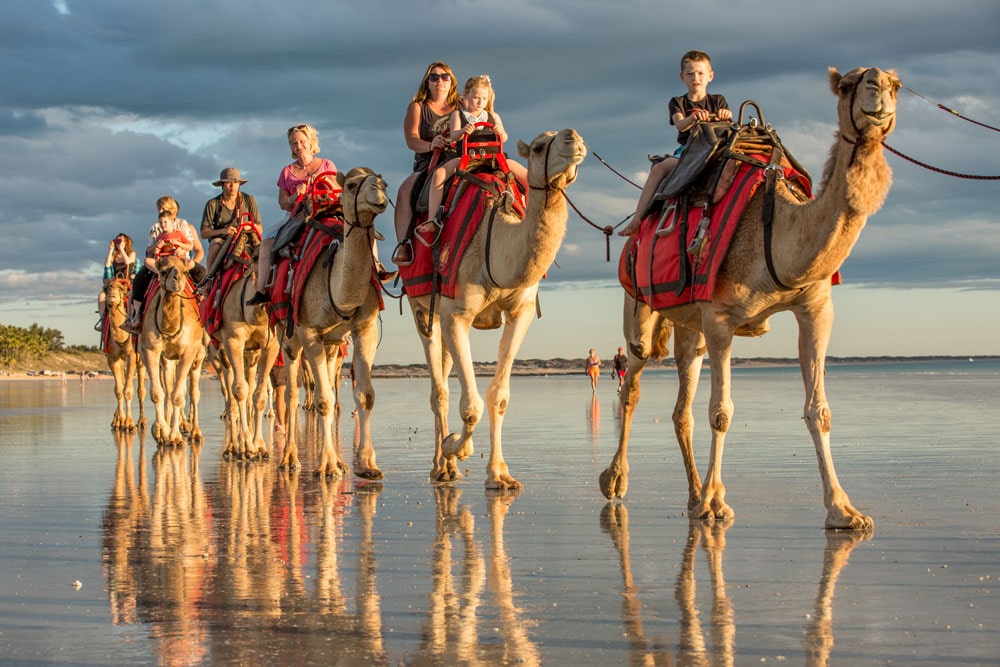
{"x":662,"y":228}
{"x":398,"y":257}
{"x":437,"y":234}
{"x":100,"y":324}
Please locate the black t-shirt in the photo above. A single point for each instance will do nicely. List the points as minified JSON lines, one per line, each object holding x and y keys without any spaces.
{"x":684,"y":106}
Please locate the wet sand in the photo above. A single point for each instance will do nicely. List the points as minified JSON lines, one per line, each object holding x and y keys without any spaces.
{"x":184,"y":558}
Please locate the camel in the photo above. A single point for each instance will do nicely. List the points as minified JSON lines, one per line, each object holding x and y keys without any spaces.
{"x":123,"y":360}
{"x":809,"y":243}
{"x":172,"y":333}
{"x":245,"y":329}
{"x":499,"y":287}
{"x":338,"y":300}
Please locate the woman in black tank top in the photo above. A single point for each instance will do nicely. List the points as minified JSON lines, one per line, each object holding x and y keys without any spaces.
{"x":430,"y":107}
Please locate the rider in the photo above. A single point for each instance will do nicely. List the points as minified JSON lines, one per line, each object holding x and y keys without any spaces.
{"x":119,"y":264}
{"x":478,"y":101}
{"x":685,"y":112}
{"x":224,"y":213}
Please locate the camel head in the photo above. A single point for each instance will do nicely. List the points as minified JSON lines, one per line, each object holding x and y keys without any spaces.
{"x":867,"y":107}
{"x":173,"y":273}
{"x":553,"y":158}
{"x":115,"y":292}
{"x":364,"y":191}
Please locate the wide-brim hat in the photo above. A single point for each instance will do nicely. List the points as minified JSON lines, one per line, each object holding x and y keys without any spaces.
{"x":229,"y":175}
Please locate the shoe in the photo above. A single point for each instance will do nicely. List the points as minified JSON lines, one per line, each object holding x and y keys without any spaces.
{"x":132,"y":327}
{"x":259,"y":298}
{"x":403,"y":255}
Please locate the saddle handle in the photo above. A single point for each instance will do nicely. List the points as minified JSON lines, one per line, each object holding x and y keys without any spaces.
{"x":760,"y":114}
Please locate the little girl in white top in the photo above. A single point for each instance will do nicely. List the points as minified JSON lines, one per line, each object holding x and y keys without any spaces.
{"x":478,"y":102}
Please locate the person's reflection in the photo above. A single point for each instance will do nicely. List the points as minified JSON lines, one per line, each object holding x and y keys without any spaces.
{"x":178,"y":559}
{"x":818,"y":640}
{"x":594,"y":420}
{"x":126,"y":510}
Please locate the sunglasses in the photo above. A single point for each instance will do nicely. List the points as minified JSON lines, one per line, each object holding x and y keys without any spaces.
{"x":434,"y":77}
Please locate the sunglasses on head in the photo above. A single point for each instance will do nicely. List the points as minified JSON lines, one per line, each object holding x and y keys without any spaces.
{"x":434,"y":77}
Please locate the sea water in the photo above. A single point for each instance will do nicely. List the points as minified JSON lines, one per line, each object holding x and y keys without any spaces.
{"x":114,"y":550}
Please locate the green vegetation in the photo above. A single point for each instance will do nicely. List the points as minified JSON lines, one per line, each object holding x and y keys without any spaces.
{"x":18,"y":343}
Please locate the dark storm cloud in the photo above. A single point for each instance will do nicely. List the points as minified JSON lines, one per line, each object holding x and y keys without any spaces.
{"x":109,"y":105}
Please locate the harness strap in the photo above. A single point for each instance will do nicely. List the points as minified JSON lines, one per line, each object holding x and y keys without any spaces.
{"x":772,"y":173}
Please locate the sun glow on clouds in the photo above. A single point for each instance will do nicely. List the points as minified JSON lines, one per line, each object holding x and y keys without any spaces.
{"x":61,"y":7}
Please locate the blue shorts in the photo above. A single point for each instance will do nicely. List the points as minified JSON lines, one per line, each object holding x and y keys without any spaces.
{"x":680,"y":149}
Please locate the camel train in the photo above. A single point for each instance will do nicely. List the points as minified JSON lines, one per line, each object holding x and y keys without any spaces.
{"x":780,"y":252}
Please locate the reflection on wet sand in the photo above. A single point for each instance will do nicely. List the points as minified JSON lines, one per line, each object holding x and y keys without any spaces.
{"x":691,"y":646}
{"x":594,"y":420}
{"x":224,"y":580}
{"x":452,"y":634}
{"x":818,"y":639}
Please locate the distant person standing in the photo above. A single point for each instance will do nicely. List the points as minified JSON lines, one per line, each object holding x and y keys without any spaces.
{"x":593,"y":368}
{"x":620,"y":367}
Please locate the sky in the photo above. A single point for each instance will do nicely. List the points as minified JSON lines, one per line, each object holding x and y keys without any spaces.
{"x":109,"y":104}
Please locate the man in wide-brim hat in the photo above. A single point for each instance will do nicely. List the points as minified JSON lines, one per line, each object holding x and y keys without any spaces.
{"x":224,"y":214}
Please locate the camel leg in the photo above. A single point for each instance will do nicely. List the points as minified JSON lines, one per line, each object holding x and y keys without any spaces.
{"x":230,"y":446}
{"x":194,"y":434}
{"x":720,"y":413}
{"x":498,"y":393}
{"x":151,"y":360}
{"x":128,"y":361}
{"x":443,"y":469}
{"x":292,"y":352}
{"x":181,"y":371}
{"x":455,"y":332}
{"x":261,"y":394}
{"x":315,"y":351}
{"x":365,"y":341}
{"x":140,"y":389}
{"x":239,"y":389}
{"x":118,"y":371}
{"x":688,"y":352}
{"x":640,"y":325}
{"x":815,"y":326}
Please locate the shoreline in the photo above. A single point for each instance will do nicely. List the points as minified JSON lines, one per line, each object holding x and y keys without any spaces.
{"x":522,"y":367}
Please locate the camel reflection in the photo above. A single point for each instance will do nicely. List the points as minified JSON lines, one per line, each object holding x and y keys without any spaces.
{"x":127,"y":509}
{"x":691,"y":646}
{"x":818,"y":640}
{"x":452,"y":634}
{"x":177,"y":561}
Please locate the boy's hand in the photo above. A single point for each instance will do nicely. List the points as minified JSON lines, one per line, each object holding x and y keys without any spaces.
{"x":724,"y":114}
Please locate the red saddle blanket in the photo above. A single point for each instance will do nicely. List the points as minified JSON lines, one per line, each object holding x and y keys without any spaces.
{"x":675,"y":269}
{"x":436,"y":268}
{"x":290,"y":276}
{"x":218,"y":290}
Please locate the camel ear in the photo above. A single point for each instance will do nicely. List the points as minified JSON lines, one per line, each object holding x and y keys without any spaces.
{"x":522,"y":149}
{"x":340,"y":179}
{"x":834,"y":80}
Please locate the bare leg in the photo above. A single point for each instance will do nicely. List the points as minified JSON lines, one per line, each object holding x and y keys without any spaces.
{"x":657,"y":173}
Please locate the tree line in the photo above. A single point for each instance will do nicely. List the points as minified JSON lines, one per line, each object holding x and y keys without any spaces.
{"x":18,"y":343}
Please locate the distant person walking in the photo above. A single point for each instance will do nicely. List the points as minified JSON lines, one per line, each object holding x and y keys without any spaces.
{"x":593,"y":368}
{"x":620,"y":367}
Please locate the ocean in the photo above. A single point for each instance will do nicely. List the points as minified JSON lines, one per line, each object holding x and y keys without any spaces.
{"x":113,"y":551}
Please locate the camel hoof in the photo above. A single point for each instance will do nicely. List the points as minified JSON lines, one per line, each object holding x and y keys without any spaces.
{"x":452,"y":447}
{"x":858,"y":523}
{"x":504,"y":483}
{"x":444,"y":476}
{"x":613,"y":483}
{"x":372,"y":474}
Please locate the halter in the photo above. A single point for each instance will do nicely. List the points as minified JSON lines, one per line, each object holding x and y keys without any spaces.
{"x":857,"y":141}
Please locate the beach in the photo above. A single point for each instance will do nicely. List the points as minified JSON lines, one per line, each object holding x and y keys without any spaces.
{"x":184,"y":558}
